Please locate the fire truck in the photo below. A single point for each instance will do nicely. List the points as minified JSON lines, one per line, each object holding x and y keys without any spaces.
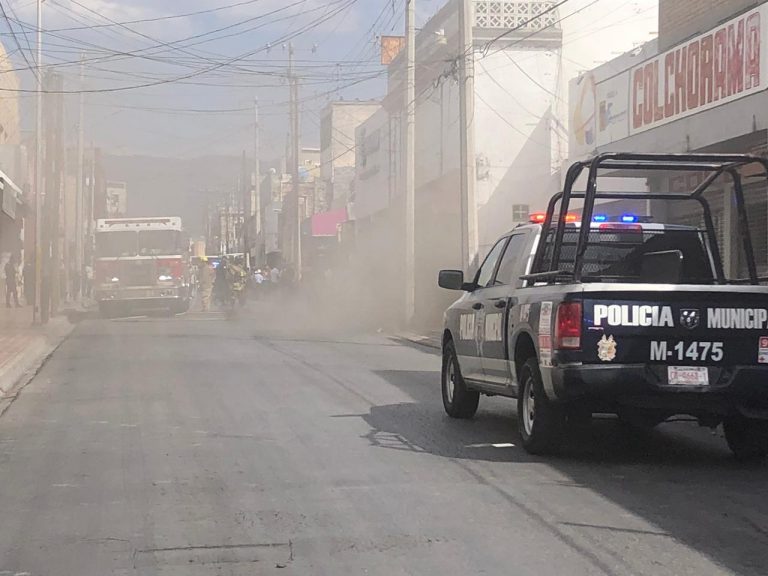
{"x":141,"y":263}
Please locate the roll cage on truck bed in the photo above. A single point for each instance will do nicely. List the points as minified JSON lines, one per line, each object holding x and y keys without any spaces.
{"x":542,"y":335}
{"x":715,"y":164}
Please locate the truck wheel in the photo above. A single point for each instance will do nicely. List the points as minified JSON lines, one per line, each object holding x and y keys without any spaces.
{"x":747,"y":438}
{"x":459,"y":402}
{"x":540,"y":422}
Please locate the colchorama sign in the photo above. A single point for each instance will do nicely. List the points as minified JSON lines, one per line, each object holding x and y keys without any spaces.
{"x":719,"y":66}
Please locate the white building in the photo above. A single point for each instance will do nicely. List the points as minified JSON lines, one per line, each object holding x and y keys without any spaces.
{"x":519,"y":139}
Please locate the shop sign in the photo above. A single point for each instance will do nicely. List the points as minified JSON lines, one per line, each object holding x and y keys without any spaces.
{"x":720,"y":66}
{"x":390,"y":48}
{"x":599,"y":112}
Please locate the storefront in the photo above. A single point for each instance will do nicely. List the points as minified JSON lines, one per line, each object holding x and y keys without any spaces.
{"x":706,"y":94}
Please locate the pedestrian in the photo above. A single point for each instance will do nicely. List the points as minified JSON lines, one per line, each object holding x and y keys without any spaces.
{"x":258,"y":281}
{"x":206,"y":283}
{"x":88,"y":280}
{"x":11,"y":285}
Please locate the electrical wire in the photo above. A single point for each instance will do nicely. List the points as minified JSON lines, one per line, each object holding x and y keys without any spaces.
{"x":490,"y":43}
{"x":16,"y":39}
{"x":347,"y":4}
{"x":159,"y":18}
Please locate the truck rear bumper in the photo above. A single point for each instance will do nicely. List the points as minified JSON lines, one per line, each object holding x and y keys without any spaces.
{"x":732,"y":389}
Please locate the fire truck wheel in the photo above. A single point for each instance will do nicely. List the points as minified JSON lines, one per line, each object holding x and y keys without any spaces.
{"x":180,"y":307}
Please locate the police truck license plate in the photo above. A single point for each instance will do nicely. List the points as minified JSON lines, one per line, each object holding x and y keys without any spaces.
{"x":687,"y":376}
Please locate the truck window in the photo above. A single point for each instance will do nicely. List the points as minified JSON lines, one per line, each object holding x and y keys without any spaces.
{"x":509,"y":268}
{"x":158,"y":242}
{"x":614,"y":255}
{"x":115,"y":244}
{"x":485,"y":274}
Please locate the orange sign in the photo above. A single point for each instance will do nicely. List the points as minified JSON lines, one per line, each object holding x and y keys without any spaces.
{"x":390,"y":48}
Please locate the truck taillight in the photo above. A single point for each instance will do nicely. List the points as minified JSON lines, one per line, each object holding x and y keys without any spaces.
{"x":568,"y":327}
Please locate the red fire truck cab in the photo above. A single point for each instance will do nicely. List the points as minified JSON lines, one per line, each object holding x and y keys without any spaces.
{"x":141,"y":263}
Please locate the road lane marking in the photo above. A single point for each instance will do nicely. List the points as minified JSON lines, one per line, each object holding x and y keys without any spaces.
{"x":492,"y":445}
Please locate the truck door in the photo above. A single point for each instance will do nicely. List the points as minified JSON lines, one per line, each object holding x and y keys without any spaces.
{"x":472,"y":316}
{"x":498,"y":303}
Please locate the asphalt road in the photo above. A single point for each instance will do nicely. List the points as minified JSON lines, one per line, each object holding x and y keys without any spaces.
{"x":275,"y":445}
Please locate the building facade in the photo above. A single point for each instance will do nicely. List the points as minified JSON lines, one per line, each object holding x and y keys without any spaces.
{"x":520,"y":141}
{"x":12,"y":165}
{"x":337,"y":148}
{"x":701,"y":87}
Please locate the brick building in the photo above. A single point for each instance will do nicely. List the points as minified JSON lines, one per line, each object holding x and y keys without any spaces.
{"x":681,"y":19}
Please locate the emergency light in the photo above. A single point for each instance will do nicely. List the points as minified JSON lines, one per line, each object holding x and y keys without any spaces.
{"x":539,"y":217}
{"x":629,"y":218}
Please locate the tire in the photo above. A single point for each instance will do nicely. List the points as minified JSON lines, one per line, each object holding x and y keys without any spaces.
{"x":747,"y":438}
{"x":459,"y":402}
{"x":540,"y":422}
{"x":180,"y":307}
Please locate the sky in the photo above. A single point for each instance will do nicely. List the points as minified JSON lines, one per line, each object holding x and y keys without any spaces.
{"x":169,"y":82}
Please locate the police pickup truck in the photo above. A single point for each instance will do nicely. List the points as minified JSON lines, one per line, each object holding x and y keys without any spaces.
{"x":620,"y":315}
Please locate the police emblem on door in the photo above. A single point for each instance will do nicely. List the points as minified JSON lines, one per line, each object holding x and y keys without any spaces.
{"x":606,"y":349}
{"x":689,"y":318}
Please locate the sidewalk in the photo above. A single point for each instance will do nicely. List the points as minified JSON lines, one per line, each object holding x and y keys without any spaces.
{"x":23,"y":348}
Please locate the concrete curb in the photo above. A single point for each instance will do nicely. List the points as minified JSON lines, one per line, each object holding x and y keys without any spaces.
{"x":20,"y":371}
{"x":420,"y":339}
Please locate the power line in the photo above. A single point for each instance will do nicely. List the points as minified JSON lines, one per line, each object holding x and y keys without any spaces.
{"x":159,"y":18}
{"x":24,"y":32}
{"x":16,"y":39}
{"x":139,"y":53}
{"x":214,"y":67}
{"x":506,"y":33}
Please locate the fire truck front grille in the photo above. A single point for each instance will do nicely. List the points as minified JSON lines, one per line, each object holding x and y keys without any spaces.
{"x":138,"y":273}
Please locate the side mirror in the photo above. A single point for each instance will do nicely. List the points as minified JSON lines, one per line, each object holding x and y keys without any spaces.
{"x":451,"y":280}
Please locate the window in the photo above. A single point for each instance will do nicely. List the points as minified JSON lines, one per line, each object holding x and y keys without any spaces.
{"x":520,"y":212}
{"x":115,"y":244}
{"x":513,"y":258}
{"x":485,"y":273}
{"x":158,"y":242}
{"x":618,"y":255}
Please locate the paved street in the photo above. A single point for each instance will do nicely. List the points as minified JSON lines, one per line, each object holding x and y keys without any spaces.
{"x":200,"y":446}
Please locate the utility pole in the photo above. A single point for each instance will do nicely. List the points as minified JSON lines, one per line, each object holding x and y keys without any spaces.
{"x":410,"y":162}
{"x":80,"y":193}
{"x":36,"y":314}
{"x":244,"y":208}
{"x":54,"y":160}
{"x":256,"y":196}
{"x":294,"y":213}
{"x":469,"y":238}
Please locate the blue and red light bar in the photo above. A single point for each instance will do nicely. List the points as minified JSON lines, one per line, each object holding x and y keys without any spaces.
{"x":627,"y":218}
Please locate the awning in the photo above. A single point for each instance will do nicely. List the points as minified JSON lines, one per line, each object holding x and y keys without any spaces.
{"x":11,"y":195}
{"x":327,"y":223}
